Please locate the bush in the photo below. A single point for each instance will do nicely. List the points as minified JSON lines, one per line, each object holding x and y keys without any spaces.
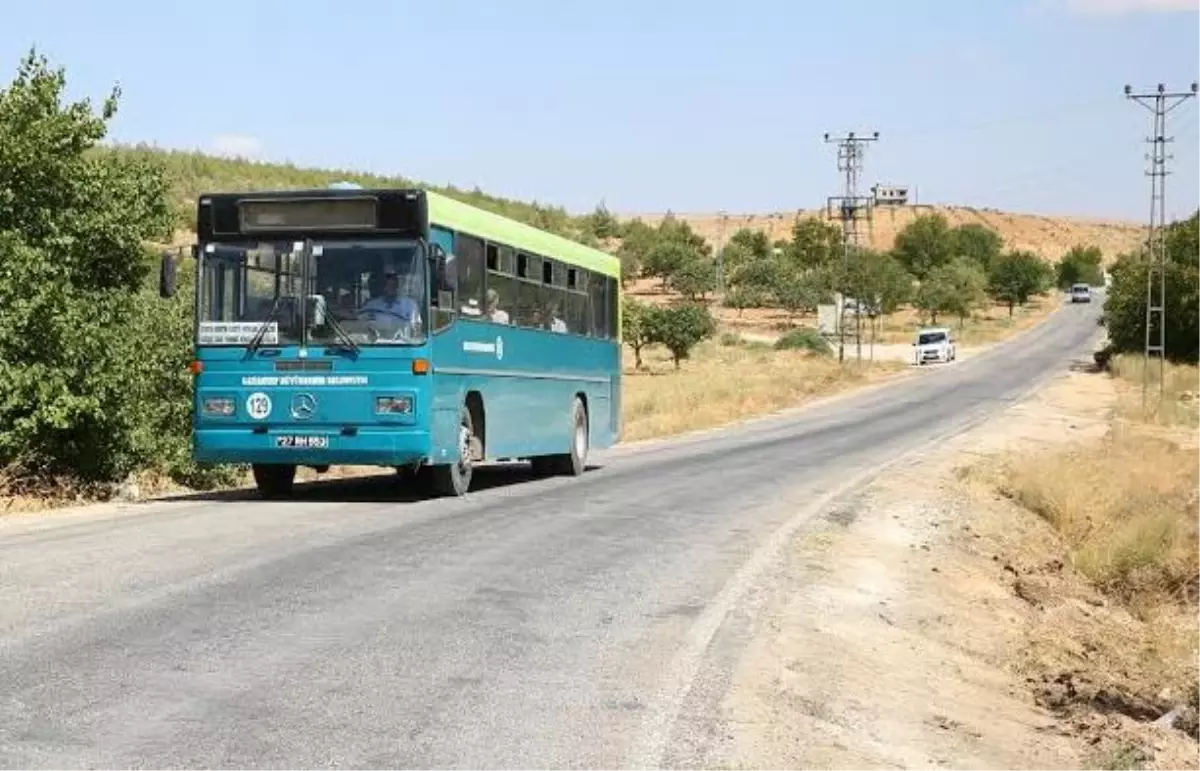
{"x":93,"y":380}
{"x":804,"y":340}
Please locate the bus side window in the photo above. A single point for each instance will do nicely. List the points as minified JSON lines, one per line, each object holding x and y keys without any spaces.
{"x":599,"y":325}
{"x":445,"y":286}
{"x":470,"y":274}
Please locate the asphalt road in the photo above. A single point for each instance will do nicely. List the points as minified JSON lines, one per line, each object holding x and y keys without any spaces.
{"x":562,"y":622}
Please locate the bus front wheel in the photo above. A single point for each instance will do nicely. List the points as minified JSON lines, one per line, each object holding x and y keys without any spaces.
{"x":274,"y":480}
{"x":574,"y":462}
{"x":454,"y":479}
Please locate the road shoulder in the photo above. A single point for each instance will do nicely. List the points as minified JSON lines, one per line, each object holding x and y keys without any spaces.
{"x":901,"y":630}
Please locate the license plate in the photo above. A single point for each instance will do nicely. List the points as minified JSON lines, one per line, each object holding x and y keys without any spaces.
{"x":302,"y":442}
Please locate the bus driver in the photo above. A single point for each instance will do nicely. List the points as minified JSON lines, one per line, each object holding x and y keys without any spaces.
{"x":390,"y":310}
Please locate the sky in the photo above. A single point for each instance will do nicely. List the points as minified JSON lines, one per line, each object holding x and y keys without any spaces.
{"x":654,"y":105}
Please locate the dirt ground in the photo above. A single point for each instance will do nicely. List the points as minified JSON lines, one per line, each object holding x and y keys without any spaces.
{"x":923,"y":626}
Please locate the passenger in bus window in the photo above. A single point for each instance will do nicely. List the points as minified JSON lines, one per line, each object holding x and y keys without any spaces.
{"x":494,"y":313}
{"x":556,"y":322}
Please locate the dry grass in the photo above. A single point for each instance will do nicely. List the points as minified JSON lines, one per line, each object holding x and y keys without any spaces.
{"x":1126,"y":510}
{"x":1178,"y":406}
{"x":724,"y":383}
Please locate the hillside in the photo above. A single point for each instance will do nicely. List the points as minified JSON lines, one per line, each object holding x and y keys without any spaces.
{"x":192,"y":173}
{"x":1048,"y":236}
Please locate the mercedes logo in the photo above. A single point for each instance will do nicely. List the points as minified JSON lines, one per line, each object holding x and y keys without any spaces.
{"x":304,"y":406}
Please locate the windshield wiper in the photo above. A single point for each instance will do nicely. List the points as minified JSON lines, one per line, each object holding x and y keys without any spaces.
{"x":341,"y":332}
{"x":256,"y":341}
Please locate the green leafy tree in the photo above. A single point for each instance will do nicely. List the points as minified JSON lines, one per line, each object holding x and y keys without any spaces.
{"x":1125,"y":306}
{"x":978,"y":243}
{"x":1015,"y":277}
{"x":1080,"y":265}
{"x":695,"y":278}
{"x":742,"y":297}
{"x":735,"y":255}
{"x":761,"y":277}
{"x":602,"y":224}
{"x":635,"y":327}
{"x":81,"y":394}
{"x":802,"y":292}
{"x":677,"y":231}
{"x":637,"y":240}
{"x":756,"y":242}
{"x":681,"y":328}
{"x":815,"y":244}
{"x":925,"y":244}
{"x":666,"y":258}
{"x":958,"y":288}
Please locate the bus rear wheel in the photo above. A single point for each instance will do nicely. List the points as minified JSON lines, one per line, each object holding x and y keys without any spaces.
{"x":574,"y":462}
{"x":454,"y":479}
{"x":274,"y":480}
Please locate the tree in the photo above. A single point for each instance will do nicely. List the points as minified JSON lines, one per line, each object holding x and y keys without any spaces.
{"x":1125,"y":306}
{"x":635,"y":327}
{"x":756,"y":242}
{"x":80,"y":393}
{"x":637,"y":240}
{"x":1080,"y":265}
{"x":759,"y":276}
{"x":1015,"y":277}
{"x":815,"y":244}
{"x":681,"y":328}
{"x":735,"y":255}
{"x":666,"y":257}
{"x":957,"y":287}
{"x":978,"y":243}
{"x":801,"y":292}
{"x":742,"y":297}
{"x":695,"y":278}
{"x":925,"y":244}
{"x":602,"y":224}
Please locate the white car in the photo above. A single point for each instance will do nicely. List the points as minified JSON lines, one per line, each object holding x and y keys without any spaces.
{"x":1081,"y":293}
{"x":934,"y":344}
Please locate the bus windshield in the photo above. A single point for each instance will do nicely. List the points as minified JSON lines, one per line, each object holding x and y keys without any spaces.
{"x":373,"y":292}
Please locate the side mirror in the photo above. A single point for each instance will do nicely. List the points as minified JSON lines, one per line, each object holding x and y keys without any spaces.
{"x":167,"y":283}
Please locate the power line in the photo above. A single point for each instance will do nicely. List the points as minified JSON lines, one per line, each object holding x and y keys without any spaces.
{"x":850,"y":206}
{"x":1160,"y":102}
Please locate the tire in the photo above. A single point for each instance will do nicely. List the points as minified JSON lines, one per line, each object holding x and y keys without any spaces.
{"x":454,"y":479}
{"x":572,"y":463}
{"x":274,"y":480}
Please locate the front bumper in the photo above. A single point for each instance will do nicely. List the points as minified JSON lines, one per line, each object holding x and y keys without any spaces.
{"x":372,"y":446}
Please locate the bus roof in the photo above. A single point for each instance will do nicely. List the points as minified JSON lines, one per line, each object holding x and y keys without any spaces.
{"x":456,"y":215}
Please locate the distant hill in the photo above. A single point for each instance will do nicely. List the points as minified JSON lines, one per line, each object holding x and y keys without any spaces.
{"x":192,"y":173}
{"x":1048,"y":236}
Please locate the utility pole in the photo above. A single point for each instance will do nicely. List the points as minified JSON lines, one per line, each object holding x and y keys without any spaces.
{"x":721,"y":254}
{"x":1160,"y":102}
{"x":848,"y":206}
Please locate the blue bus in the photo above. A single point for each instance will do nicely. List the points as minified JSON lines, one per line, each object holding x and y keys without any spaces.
{"x":398,"y":328}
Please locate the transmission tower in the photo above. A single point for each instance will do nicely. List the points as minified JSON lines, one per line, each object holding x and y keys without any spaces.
{"x":721,"y":253}
{"x":850,"y":207}
{"x":1160,"y":102}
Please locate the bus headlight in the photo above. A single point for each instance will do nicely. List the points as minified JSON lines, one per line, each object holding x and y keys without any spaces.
{"x":393,"y":405}
{"x":217,"y":405}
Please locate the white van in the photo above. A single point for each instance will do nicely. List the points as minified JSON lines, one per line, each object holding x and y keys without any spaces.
{"x":1081,"y":293}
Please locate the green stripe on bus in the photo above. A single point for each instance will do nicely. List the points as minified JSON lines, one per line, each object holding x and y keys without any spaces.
{"x":458,"y":216}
